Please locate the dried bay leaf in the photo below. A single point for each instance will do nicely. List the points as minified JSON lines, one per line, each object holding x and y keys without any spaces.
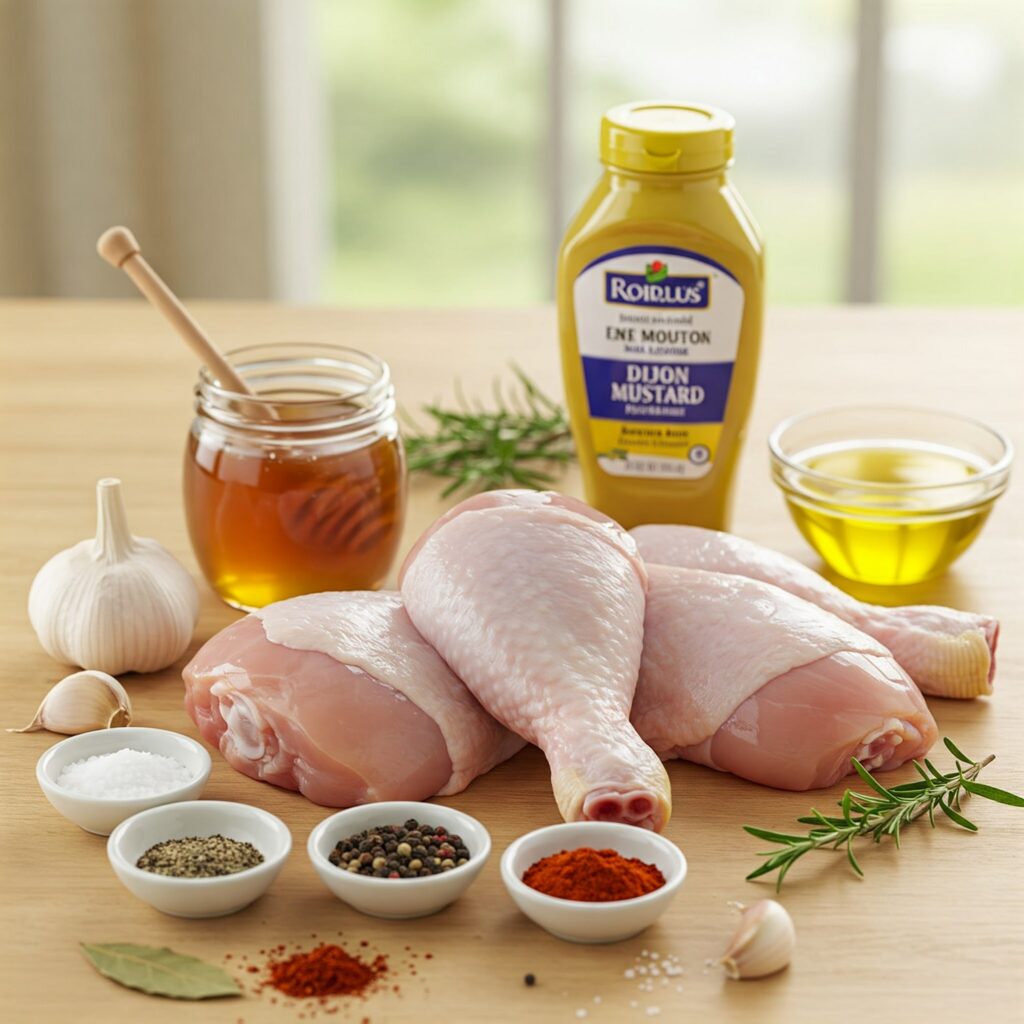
{"x":160,"y":971}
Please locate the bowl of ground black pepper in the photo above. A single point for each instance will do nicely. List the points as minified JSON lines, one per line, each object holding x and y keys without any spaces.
{"x":199,"y":858}
{"x":399,"y":859}
{"x":593,"y":881}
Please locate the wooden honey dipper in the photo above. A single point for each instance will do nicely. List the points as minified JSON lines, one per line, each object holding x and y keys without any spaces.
{"x":119,"y":248}
{"x":324,"y":517}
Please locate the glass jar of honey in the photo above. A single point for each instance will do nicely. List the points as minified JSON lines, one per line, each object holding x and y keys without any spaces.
{"x":300,"y":486}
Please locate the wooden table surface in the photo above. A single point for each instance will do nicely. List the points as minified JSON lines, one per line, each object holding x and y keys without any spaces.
{"x":934,"y":933}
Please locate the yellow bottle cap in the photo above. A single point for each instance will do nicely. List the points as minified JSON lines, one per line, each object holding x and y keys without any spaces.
{"x":666,"y":137}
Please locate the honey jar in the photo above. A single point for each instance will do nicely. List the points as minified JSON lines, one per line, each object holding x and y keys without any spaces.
{"x":301,"y":488}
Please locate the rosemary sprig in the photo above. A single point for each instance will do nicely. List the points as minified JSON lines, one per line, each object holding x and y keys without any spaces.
{"x":882,"y":813}
{"x":518,"y":443}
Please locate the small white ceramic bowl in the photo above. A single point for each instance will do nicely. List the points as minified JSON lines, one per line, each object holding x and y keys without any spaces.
{"x":199,"y":897}
{"x":98,"y":814}
{"x":397,"y":898}
{"x":592,"y":922}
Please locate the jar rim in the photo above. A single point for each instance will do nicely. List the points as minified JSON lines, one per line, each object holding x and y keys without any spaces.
{"x":284,"y":351}
{"x":994,"y":470}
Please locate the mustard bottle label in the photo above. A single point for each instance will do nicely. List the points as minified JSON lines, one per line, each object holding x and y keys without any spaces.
{"x":658,"y":329}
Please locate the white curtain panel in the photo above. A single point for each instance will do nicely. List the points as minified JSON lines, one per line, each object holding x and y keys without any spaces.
{"x":197,"y":123}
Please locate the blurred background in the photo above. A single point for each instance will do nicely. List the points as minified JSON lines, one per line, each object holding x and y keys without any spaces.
{"x":431,"y":152}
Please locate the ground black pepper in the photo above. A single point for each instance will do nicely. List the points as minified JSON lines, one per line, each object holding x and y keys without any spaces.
{"x":200,"y":857}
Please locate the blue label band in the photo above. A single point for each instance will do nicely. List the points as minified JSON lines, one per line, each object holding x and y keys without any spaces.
{"x":657,"y":392}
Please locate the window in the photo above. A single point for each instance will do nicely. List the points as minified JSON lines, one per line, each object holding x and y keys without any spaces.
{"x":463,"y":134}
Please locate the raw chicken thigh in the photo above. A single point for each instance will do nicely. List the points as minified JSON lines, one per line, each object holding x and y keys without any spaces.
{"x":337,"y":695}
{"x":946,"y":652}
{"x":537,"y":603}
{"x":746,"y":678}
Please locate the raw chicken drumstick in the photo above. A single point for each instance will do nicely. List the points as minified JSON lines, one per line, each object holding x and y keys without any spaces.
{"x":537,"y":603}
{"x":337,"y":695}
{"x":746,"y":678}
{"x":946,"y":652}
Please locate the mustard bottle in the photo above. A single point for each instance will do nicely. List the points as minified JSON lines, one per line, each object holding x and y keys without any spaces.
{"x":660,"y":298}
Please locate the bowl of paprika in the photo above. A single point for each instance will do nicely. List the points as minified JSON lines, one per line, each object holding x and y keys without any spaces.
{"x":593,"y":881}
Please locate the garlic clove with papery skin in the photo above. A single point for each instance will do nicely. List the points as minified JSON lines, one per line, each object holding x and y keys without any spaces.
{"x":115,"y":603}
{"x":763,"y":942}
{"x":82,"y":702}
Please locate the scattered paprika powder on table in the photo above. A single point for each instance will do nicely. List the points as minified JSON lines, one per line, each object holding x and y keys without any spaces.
{"x":593,"y":876}
{"x":327,"y":970}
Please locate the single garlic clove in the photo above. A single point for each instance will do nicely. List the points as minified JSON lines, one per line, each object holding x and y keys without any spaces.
{"x":82,"y":702}
{"x":763,"y":942}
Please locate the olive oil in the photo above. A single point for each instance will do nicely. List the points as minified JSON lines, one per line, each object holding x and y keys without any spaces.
{"x":892,"y":512}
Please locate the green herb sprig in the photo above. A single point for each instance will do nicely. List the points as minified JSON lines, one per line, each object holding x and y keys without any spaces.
{"x":519,"y":443}
{"x":882,"y":813}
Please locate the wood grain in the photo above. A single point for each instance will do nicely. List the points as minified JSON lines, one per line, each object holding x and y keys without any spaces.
{"x":934,"y":933}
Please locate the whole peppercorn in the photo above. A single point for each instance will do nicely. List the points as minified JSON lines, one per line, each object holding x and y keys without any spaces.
{"x":530,"y":980}
{"x":398,"y":851}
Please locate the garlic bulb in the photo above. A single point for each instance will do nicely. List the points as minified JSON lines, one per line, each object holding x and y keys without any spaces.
{"x":763,"y":943}
{"x":82,"y":702}
{"x":117,"y":603}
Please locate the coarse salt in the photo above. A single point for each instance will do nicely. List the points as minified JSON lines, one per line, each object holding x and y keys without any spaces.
{"x":125,"y":774}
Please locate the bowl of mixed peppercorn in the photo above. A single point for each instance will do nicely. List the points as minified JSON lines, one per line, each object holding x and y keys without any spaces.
{"x":399,"y":859}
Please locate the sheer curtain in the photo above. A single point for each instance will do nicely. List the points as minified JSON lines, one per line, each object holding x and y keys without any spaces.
{"x":195,"y":123}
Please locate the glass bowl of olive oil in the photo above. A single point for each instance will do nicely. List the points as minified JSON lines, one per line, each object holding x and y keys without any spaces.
{"x":885,"y":494}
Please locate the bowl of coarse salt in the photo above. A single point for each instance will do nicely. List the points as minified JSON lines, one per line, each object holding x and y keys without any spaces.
{"x":100,"y":778}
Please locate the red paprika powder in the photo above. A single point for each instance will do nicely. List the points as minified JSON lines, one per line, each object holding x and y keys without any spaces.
{"x":593,"y":876}
{"x":325,"y":971}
